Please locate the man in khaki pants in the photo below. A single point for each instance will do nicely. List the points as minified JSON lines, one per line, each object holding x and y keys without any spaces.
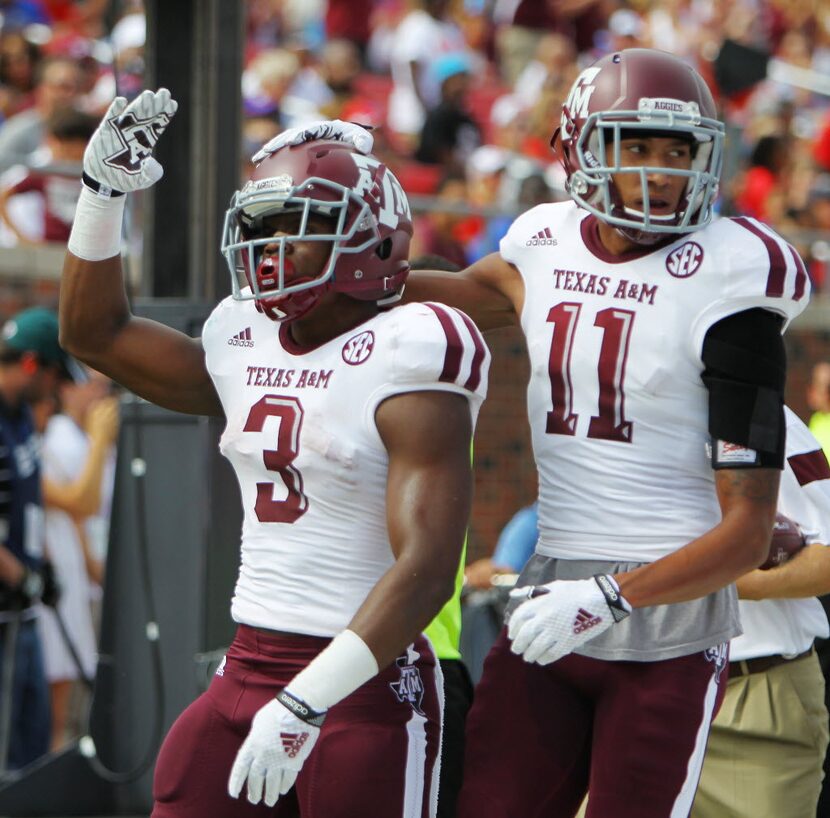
{"x":766,"y":747}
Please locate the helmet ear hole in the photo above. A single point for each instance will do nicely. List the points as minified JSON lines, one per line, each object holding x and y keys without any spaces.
{"x":385,"y":249}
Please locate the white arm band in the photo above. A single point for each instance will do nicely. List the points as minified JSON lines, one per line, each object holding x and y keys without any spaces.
{"x":96,"y":230}
{"x":340,"y":669}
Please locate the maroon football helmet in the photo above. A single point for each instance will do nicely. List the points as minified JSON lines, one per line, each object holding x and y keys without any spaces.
{"x":656,"y":93}
{"x":371,"y":228}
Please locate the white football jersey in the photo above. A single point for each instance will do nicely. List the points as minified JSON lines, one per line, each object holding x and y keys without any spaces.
{"x":617,"y":408}
{"x":311,"y":465}
{"x":789,"y":626}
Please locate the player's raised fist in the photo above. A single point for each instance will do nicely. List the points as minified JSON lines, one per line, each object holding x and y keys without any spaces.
{"x":119,"y":157}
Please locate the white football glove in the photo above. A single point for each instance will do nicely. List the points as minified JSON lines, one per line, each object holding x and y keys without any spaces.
{"x":355,"y":135}
{"x":119,"y":156}
{"x":282,"y":735}
{"x":561,"y":615}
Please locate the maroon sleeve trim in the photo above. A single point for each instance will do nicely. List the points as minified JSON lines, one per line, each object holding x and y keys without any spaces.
{"x":809,"y":467}
{"x":777,"y":263}
{"x":800,"y":274}
{"x":478,"y":356}
{"x":452,"y":357}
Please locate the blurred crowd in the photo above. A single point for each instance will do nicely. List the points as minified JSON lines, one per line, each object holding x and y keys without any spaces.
{"x":464,"y":95}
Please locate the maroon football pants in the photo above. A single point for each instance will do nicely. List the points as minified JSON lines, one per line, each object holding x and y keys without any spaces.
{"x":634,"y":732}
{"x":376,"y":754}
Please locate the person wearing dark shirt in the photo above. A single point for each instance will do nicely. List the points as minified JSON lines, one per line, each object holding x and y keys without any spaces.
{"x":31,"y":364}
{"x":450,"y":134}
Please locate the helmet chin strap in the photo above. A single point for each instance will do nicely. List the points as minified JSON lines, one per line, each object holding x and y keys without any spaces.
{"x":641,"y":237}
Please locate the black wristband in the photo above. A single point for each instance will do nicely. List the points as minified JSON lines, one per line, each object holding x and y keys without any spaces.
{"x":300,"y":709}
{"x":99,"y":189}
{"x":612,"y":597}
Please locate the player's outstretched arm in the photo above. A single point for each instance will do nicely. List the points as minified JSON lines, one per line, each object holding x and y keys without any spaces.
{"x":490,"y":291}
{"x":152,"y":360}
{"x":429,"y":490}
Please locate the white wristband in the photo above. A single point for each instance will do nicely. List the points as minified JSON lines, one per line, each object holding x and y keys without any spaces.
{"x":96,"y":230}
{"x":335,"y":672}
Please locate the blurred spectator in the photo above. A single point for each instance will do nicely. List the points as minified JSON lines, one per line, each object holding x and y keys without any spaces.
{"x":534,"y":190}
{"x":266,"y":80}
{"x":449,"y":134}
{"x":436,"y":230}
{"x":128,"y":39}
{"x":424,"y":35}
{"x":384,"y":22}
{"x":816,"y":217}
{"x":626,"y":29}
{"x":321,"y":90}
{"x":77,"y":462}
{"x":485,"y":174}
{"x":57,"y":85}
{"x":17,"y":14}
{"x":54,"y":177}
{"x":514,"y":548}
{"x":762,"y":182}
{"x":818,"y":400}
{"x":577,"y":20}
{"x":256,"y":131}
{"x":19,"y":59}
{"x":31,"y":366}
{"x":264,"y":26}
{"x":349,"y":20}
{"x":552,"y":65}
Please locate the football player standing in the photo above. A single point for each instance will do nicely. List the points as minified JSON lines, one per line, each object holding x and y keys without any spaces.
{"x":656,"y":409}
{"x":348,"y":425}
{"x":765,"y":754}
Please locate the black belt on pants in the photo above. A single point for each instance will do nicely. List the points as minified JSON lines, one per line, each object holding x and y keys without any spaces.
{"x":747,"y":666}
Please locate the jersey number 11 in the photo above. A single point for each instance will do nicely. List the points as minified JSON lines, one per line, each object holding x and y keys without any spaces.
{"x":609,"y":423}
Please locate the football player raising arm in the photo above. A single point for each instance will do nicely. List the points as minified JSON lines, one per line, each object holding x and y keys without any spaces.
{"x":349,"y":420}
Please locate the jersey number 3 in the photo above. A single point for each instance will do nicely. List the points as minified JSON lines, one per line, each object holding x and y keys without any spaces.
{"x":609,"y":423}
{"x":279,"y":460}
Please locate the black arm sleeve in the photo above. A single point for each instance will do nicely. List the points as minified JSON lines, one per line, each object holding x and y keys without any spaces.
{"x":745,"y":372}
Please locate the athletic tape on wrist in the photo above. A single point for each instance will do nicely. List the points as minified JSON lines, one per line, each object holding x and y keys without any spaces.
{"x":340,"y":669}
{"x":96,"y":229}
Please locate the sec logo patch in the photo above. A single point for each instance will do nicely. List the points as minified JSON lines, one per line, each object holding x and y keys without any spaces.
{"x":685,"y":261}
{"x":358,"y":348}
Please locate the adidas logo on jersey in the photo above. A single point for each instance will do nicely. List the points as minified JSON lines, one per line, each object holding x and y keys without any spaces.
{"x":542,"y":237}
{"x":241,"y":339}
{"x":292,"y":743}
{"x":585,"y":620}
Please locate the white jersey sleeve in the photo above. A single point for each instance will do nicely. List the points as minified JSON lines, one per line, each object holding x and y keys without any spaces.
{"x":805,"y":485}
{"x":434,"y":347}
{"x":760,"y":269}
